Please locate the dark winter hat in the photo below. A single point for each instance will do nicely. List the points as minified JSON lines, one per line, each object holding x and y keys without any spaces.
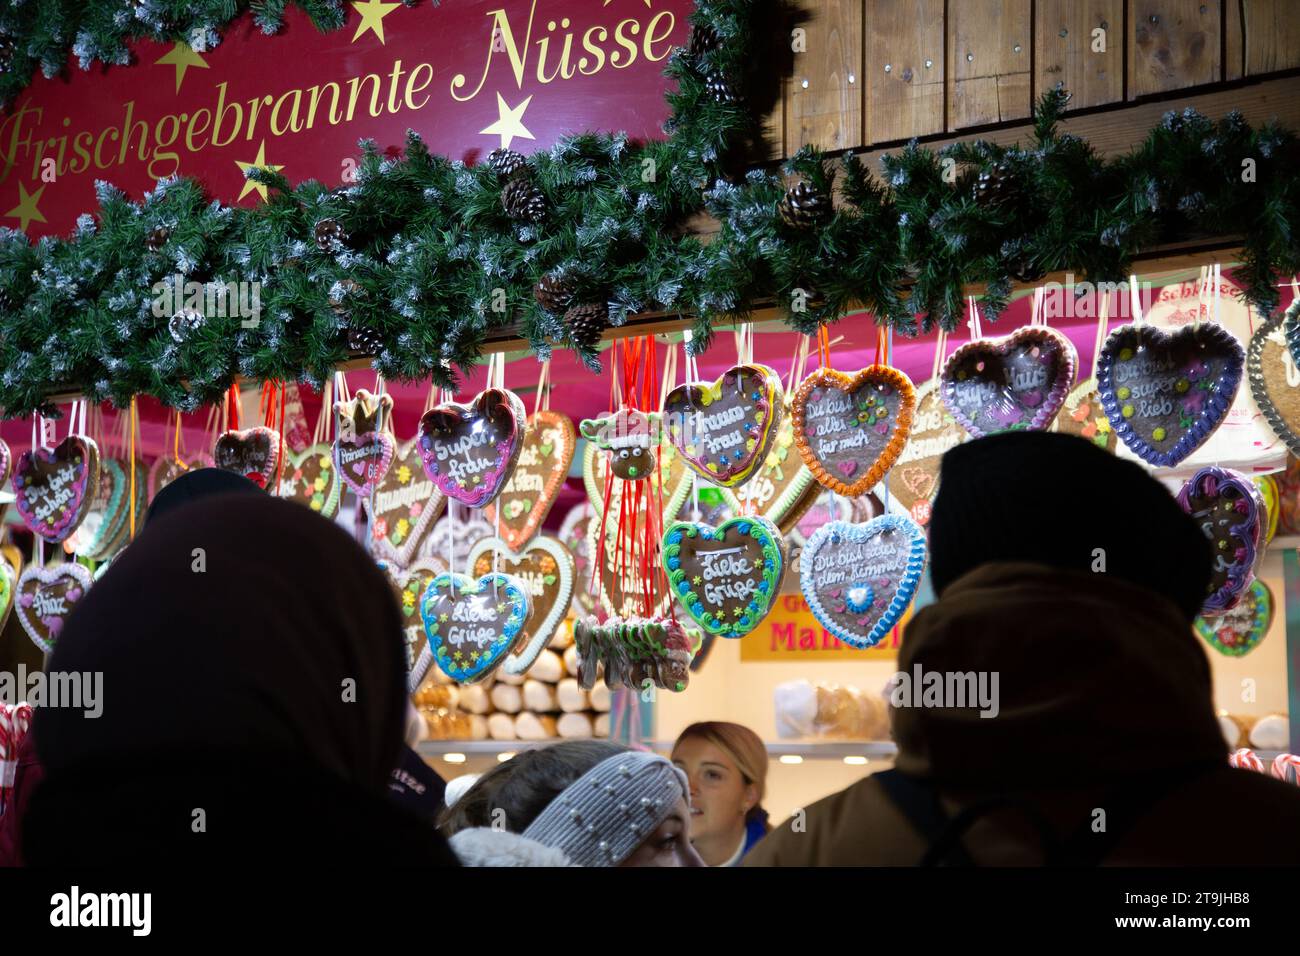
{"x":1055,"y":499}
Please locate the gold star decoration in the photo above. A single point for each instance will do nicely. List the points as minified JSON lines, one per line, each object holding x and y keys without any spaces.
{"x":500,"y":608}
{"x":696,"y":580}
{"x":372,"y":17}
{"x":181,"y":56}
{"x":510,"y":122}
{"x":259,"y":163}
{"x":26,"y":209}
{"x":442,"y":618}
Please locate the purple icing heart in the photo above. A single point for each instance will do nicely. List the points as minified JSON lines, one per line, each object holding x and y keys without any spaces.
{"x":74,"y":594}
{"x":1230,"y":511}
{"x":847,"y":468}
{"x":1166,"y":392}
{"x":1018,"y":382}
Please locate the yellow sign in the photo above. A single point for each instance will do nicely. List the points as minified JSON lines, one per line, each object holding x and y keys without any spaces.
{"x":791,"y":633}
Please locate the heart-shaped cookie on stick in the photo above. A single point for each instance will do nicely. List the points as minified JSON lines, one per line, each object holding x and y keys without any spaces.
{"x":850,"y":429}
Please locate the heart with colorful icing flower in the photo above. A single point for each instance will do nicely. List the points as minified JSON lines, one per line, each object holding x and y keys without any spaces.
{"x":311,"y":479}
{"x":727,"y":577}
{"x":471,"y":625}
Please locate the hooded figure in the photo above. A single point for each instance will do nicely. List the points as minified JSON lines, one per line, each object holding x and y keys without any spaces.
{"x":1071,"y":578}
{"x":253,"y":700}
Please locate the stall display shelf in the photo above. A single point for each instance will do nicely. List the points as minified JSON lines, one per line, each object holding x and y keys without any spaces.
{"x":810,"y":750}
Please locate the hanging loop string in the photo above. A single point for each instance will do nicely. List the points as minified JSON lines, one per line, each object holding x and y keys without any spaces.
{"x":1103,"y":311}
{"x":1135,"y":300}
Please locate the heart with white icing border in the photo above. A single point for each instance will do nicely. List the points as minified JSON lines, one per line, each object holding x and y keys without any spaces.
{"x":409,"y":586}
{"x":859,"y":579}
{"x":545,"y":568}
{"x":45,"y":597}
{"x":471,"y":625}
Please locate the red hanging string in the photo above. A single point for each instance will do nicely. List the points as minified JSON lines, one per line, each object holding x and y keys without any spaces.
{"x":824,"y":345}
{"x":880,"y":343}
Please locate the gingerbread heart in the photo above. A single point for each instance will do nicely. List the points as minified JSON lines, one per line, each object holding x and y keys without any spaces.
{"x":850,"y":429}
{"x":362,"y":462}
{"x":622,"y":580}
{"x":6,"y":463}
{"x":409,"y":585}
{"x":405,"y":505}
{"x":576,"y":536}
{"x":252,"y":452}
{"x":471,"y":625}
{"x":124,"y":528}
{"x":1016,"y":382}
{"x":1237,"y":631}
{"x":725,"y":428}
{"x":914,"y":480}
{"x":1275,"y":380}
{"x":1230,"y":511}
{"x":780,"y":485}
{"x":539,"y":475}
{"x":1166,"y":392}
{"x":859,"y":579}
{"x":826,"y":509}
{"x":53,"y":489}
{"x":167,"y":469}
{"x":469,"y":451}
{"x":630,"y":437}
{"x":311,"y":479}
{"x":454,"y":534}
{"x":107,"y":511}
{"x":1083,"y":415}
{"x":727,"y":577}
{"x":545,"y":567}
{"x":45,"y":598}
{"x":8,"y":584}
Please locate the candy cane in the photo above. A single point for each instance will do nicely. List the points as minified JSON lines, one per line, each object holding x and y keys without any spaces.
{"x":1245,"y":759}
{"x":7,"y":754}
{"x":1284,"y":762}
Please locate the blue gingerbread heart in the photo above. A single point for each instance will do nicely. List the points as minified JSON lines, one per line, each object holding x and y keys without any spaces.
{"x":727,"y":577}
{"x":859,"y":579}
{"x":472,"y":625}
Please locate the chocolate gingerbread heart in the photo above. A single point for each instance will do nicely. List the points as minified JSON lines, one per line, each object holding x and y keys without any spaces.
{"x":8,"y":586}
{"x":1083,"y":415}
{"x":167,"y":469}
{"x":1238,"y":631}
{"x":1230,"y":511}
{"x":727,"y":577}
{"x":45,"y":597}
{"x":469,"y":451}
{"x":6,"y":463}
{"x":914,"y":480}
{"x":850,"y":429}
{"x":630,"y":437}
{"x":53,"y":490}
{"x":724,"y":428}
{"x":545,"y":567}
{"x":622,"y":580}
{"x":252,"y":452}
{"x":409,"y":585}
{"x":473,"y":624}
{"x":1166,"y":392}
{"x":538,"y":477}
{"x":780,"y":485}
{"x":859,"y":579}
{"x":405,"y":505}
{"x":576,"y":536}
{"x":1275,"y":380}
{"x":107,"y":511}
{"x":362,"y":462}
{"x":1017,"y":382}
{"x":311,"y":479}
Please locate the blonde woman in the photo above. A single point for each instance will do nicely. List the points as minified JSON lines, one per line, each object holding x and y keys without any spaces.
{"x":726,"y":766}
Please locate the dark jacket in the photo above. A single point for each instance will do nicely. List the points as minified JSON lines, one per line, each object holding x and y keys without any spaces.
{"x":1105,"y":738}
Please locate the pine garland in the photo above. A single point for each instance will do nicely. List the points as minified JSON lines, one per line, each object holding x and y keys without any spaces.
{"x":420,"y":259}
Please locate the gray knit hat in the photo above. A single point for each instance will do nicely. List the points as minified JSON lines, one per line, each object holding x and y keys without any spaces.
{"x":604,"y":815}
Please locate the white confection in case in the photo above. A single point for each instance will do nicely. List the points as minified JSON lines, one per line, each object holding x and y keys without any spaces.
{"x":508,"y":698}
{"x":478,"y":727}
{"x":571,"y":660}
{"x":502,"y":677}
{"x":549,"y":667}
{"x":601,"y":725}
{"x":474,"y":699}
{"x":501,"y":727}
{"x":1271,"y":733}
{"x":574,"y":726}
{"x":600,"y":700}
{"x":796,"y":708}
{"x":571,"y":697}
{"x":530,"y":726}
{"x":538,"y":696}
{"x":1231,"y":731}
{"x":562,"y":639}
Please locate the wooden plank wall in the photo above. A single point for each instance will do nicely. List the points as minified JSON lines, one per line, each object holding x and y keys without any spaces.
{"x":876,"y":72}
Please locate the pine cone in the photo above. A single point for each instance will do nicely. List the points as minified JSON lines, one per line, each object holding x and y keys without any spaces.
{"x":586,"y":323}
{"x":329,"y":235}
{"x":338,"y":302}
{"x":523,"y":202}
{"x":703,"y":39}
{"x":553,"y":294}
{"x":157,"y":238}
{"x":804,"y":207}
{"x":365,"y":339}
{"x":182,"y":323}
{"x":719,"y":88}
{"x":995,"y":185}
{"x":506,"y":163}
{"x":7,"y":49}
